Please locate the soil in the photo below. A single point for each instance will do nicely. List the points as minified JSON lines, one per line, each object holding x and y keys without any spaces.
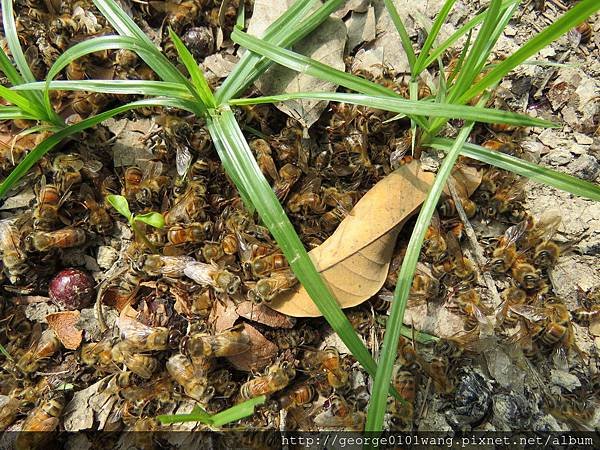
{"x":489,"y":383}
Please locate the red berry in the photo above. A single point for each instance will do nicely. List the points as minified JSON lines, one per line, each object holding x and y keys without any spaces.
{"x":72,"y":289}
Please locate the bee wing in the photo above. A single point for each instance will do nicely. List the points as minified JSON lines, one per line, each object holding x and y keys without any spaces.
{"x":93,"y":165}
{"x":46,"y":424}
{"x":549,"y":224}
{"x":132,"y":330}
{"x":9,"y":238}
{"x":152,"y":169}
{"x":531,"y":313}
{"x":514,"y":233}
{"x":453,"y":246}
{"x":183,"y":159}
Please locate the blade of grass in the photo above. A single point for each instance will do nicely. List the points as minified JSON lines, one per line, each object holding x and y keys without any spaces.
{"x":378,"y":401}
{"x":568,"y":20}
{"x":404,"y":37}
{"x":198,"y":81}
{"x":432,"y":35}
{"x":49,"y":143}
{"x":527,"y":169}
{"x":14,"y":112}
{"x":9,"y":70}
{"x":241,"y":166}
{"x":401,"y":105}
{"x":285,"y":31}
{"x":232,"y":414}
{"x":22,"y":102}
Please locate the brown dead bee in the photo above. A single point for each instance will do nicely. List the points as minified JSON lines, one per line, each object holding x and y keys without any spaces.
{"x":45,"y":347}
{"x":47,"y":213}
{"x":277,"y":377}
{"x":505,"y":253}
{"x":98,"y":215}
{"x":43,"y":241}
{"x":189,"y":233}
{"x":44,"y":420}
{"x":227,"y":343}
{"x":267,"y":288}
{"x":183,"y":372}
{"x":189,"y":206}
{"x":14,"y":258}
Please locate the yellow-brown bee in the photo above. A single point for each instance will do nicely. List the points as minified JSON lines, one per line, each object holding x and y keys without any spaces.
{"x":278,"y":377}
{"x":47,"y":345}
{"x":189,"y":233}
{"x":43,"y":419}
{"x":98,"y":215}
{"x":43,"y":241}
{"x":182,"y":371}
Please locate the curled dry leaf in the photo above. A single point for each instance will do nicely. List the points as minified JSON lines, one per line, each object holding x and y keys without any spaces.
{"x":263,"y":314}
{"x":354,"y":260}
{"x":64,"y":325}
{"x":261,"y":352}
{"x":223,"y":314}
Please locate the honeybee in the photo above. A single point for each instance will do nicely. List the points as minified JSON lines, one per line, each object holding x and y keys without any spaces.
{"x":327,"y":360}
{"x":298,"y":395}
{"x":341,"y":415}
{"x":9,"y":411}
{"x":463,"y":268}
{"x":98,"y":215}
{"x":43,"y":241}
{"x":405,"y":383}
{"x":227,"y":343}
{"x":13,"y":256}
{"x":189,"y":233}
{"x":505,"y":199}
{"x":43,"y":419}
{"x":210,"y":274}
{"x":263,"y":152}
{"x":182,"y":371}
{"x":294,"y":338}
{"x":288,"y":176}
{"x":502,"y":143}
{"x":307,"y":200}
{"x":77,"y":70}
{"x":141,"y":337}
{"x":407,"y":354}
{"x":189,"y":206}
{"x":47,"y":345}
{"x":469,"y":304}
{"x":47,"y":211}
{"x":264,"y":265}
{"x":505,"y":253}
{"x":551,"y":322}
{"x":585,"y":31}
{"x":590,"y":309}
{"x":437,"y":369}
{"x":267,"y":288}
{"x":434,"y":244}
{"x":88,"y":103}
{"x":142,"y":365}
{"x":448,"y":207}
{"x":526,"y":276}
{"x":546,"y":252}
{"x":511,"y":296}
{"x":97,"y":354}
{"x":179,"y":14}
{"x":277,"y":377}
{"x":221,"y":382}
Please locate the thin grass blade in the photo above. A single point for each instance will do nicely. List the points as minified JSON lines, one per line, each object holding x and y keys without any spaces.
{"x":48,"y":144}
{"x":232,"y":414}
{"x":432,"y":35}
{"x":9,"y":70}
{"x":570,"y":19}
{"x":23,"y":103}
{"x":404,"y":37}
{"x":412,"y":107}
{"x":527,"y":169}
{"x":198,"y":80}
{"x":14,"y":112}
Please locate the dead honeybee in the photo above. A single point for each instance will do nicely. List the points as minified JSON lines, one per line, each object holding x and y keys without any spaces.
{"x":267,"y":288}
{"x":407,"y":354}
{"x":551,"y":322}
{"x":151,"y":183}
{"x":437,"y":369}
{"x":13,"y":257}
{"x":9,"y":411}
{"x":43,"y":419}
{"x":307,"y":200}
{"x":98,"y":215}
{"x":340,"y":415}
{"x":299,"y":395}
{"x":263,"y":151}
{"x":590,"y":309}
{"x":526,"y":276}
{"x":539,"y":237}
{"x":189,"y":233}
{"x":510,"y":297}
{"x":288,"y":176}
{"x":405,"y":383}
{"x":502,"y":143}
{"x":155,"y":265}
{"x":294,"y":338}
{"x":97,"y":354}
{"x":189,"y":206}
{"x":182,"y":371}
{"x":142,"y":365}
{"x":434,"y":244}
{"x":469,"y":305}
{"x":264,"y":265}
{"x":227,"y":343}
{"x":179,"y":14}
{"x":585,"y":31}
{"x":88,"y":103}
{"x":448,"y":208}
{"x":505,"y":199}
{"x":210,"y":274}
{"x":141,"y":337}
{"x":45,"y":347}
{"x":77,"y":69}
{"x":43,"y":241}
{"x":506,"y":253}
{"x":212,"y":251}
{"x":462,"y":268}
{"x":46,"y":214}
{"x":361,"y":320}
{"x":221,"y":382}
{"x":327,"y":360}
{"x":126,"y":59}
{"x":277,"y":377}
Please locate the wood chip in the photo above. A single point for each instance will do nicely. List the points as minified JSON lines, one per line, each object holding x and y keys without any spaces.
{"x":64,"y":324}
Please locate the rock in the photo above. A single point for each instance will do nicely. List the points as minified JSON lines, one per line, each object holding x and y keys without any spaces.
{"x":591,"y":247}
{"x":586,"y":167}
{"x":582,"y":139}
{"x":564,"y":379}
{"x":511,"y":412}
{"x":558,"y":157}
{"x":503,"y":370}
{"x":107,"y":256}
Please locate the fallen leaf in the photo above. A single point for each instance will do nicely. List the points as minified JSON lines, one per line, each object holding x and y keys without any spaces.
{"x":223,"y":314}
{"x":261,"y":354}
{"x":265,"y":315}
{"x":128,"y":148}
{"x":64,"y":325}
{"x":326,"y":44}
{"x":595,"y":328}
{"x":354,"y":260}
{"x":361,"y":27}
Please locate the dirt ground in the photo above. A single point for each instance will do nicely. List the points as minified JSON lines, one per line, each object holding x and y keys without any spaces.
{"x":490,"y":384}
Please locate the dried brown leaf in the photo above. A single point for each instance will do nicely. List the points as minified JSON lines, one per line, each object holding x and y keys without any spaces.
{"x":354,"y":260}
{"x":261,"y":352}
{"x":64,"y":324}
{"x":263,"y":314}
{"x":223,"y":314}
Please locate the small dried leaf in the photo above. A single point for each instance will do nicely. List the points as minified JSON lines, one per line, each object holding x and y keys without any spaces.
{"x":354,"y":260}
{"x":223,"y":314}
{"x":260,"y":354}
{"x":64,"y":325}
{"x":263,"y":314}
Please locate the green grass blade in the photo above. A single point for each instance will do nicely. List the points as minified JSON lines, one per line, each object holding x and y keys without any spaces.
{"x":461,"y":60}
{"x":14,"y":112}
{"x":438,"y":51}
{"x":419,"y":336}
{"x":378,"y":402}
{"x":152,"y":55}
{"x":242,"y":168}
{"x":432,"y":35}
{"x":527,"y":169}
{"x":48,"y":144}
{"x":20,"y":101}
{"x":251,"y":66}
{"x":198,"y":81}
{"x":134,"y":87}
{"x":413,"y":107}
{"x":9,"y":70}
{"x":308,"y":66}
{"x":570,"y":19}
{"x":404,"y":37}
{"x":232,"y":414}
